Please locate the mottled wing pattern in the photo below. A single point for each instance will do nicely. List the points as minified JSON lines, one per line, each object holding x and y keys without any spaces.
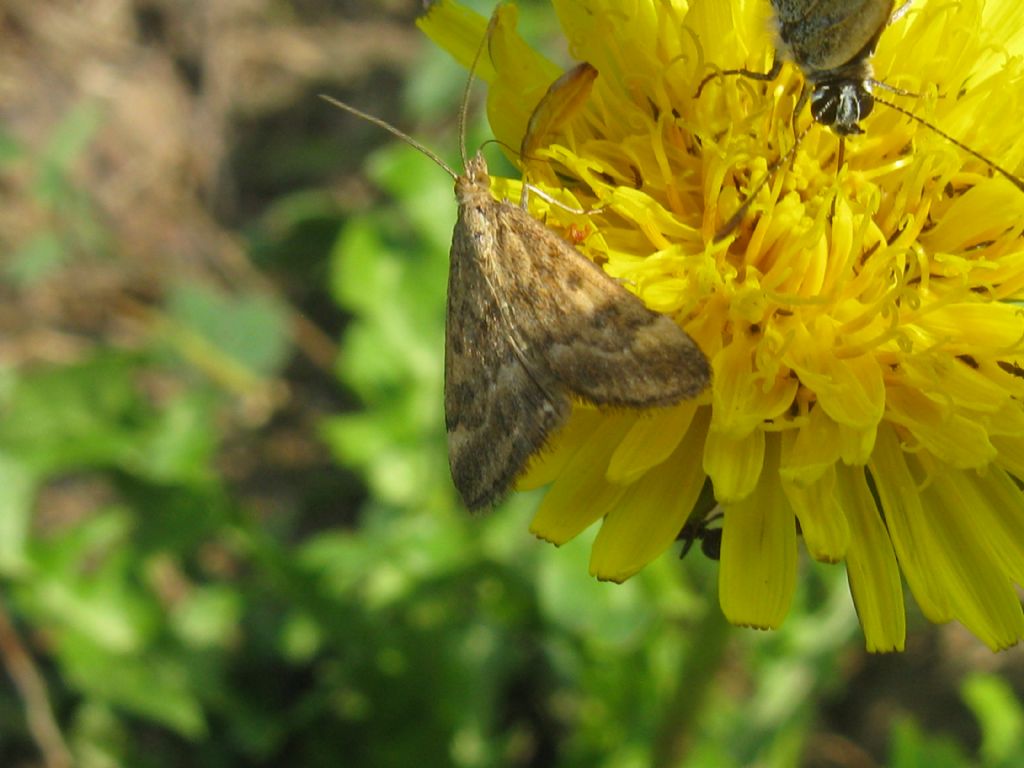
{"x":821,"y":35}
{"x":593,"y":337}
{"x":500,"y":401}
{"x":532,"y":321}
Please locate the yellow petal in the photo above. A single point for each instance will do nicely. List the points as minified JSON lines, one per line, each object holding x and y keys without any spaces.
{"x":581,"y":496}
{"x":734,"y":464}
{"x":856,"y":445}
{"x":647,"y":519}
{"x":871,"y":565}
{"x":650,"y":441}
{"x":1011,"y":454}
{"x":757,"y":572}
{"x":562,"y":101}
{"x":546,"y":466}
{"x":459,"y":31}
{"x":997,"y":511}
{"x":523,"y":75}
{"x":974,"y":326}
{"x":851,"y":390}
{"x":742,"y":397}
{"x":948,"y":434}
{"x":962,"y":383}
{"x":809,"y":451}
{"x":980,"y":593}
{"x":822,"y":522}
{"x":908,"y":525}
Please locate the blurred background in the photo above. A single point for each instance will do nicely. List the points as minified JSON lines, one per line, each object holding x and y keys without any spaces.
{"x":228,"y":536}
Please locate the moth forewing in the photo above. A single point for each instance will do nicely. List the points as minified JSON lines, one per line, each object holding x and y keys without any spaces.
{"x":532,"y":324}
{"x":609,"y":348}
{"x":499,"y":407}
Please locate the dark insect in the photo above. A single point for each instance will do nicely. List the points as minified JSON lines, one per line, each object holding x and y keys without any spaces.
{"x":832,"y":42}
{"x":700,"y":530}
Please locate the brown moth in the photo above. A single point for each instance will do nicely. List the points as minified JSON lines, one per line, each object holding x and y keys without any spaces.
{"x":532,"y":324}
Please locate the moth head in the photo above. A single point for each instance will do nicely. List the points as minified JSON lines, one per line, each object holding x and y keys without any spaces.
{"x":476,"y":169}
{"x":842,"y":104}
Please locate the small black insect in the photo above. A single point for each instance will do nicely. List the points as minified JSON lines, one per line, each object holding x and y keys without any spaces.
{"x":700,"y":530}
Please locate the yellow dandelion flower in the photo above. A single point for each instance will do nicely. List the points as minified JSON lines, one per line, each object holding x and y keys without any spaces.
{"x":863,"y":324}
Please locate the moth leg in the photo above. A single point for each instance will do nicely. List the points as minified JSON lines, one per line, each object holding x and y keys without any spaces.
{"x":900,"y":12}
{"x":527,"y":188}
{"x":768,"y":76}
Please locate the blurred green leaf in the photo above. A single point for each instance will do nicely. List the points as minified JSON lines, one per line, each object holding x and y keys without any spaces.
{"x":73,"y":134}
{"x":178,"y":443}
{"x":613,"y":614}
{"x":80,"y":587}
{"x":911,"y":748}
{"x":301,"y":637}
{"x":426,"y":194}
{"x":17,"y":494}
{"x":64,"y":146}
{"x":11,"y":149}
{"x":78,"y":415}
{"x":99,"y":738}
{"x":36,"y":259}
{"x":93,"y":414}
{"x":250,"y":329}
{"x":999,"y":712}
{"x":153,"y":686}
{"x":392,"y":352}
{"x":209,"y":616}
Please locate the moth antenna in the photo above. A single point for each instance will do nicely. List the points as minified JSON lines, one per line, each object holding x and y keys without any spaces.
{"x":464,"y":109}
{"x":393,"y":131}
{"x":500,"y":143}
{"x":734,"y":220}
{"x":892,"y":89}
{"x":1013,"y":179}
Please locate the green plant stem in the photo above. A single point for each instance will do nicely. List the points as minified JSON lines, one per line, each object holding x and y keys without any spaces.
{"x":680,"y":716}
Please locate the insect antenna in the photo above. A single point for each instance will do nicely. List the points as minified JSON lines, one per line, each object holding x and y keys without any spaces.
{"x":463,"y":109}
{"x":492,"y":23}
{"x":1010,"y":177}
{"x":392,"y":130}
